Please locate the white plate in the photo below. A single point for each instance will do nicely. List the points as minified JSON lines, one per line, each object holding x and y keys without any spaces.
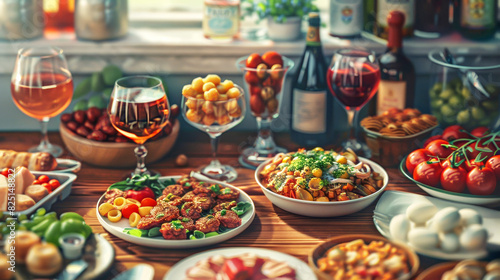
{"x":491,"y":200}
{"x":65,"y":165}
{"x":392,"y":203}
{"x":320,"y":208}
{"x":178,"y":271}
{"x":159,"y":242}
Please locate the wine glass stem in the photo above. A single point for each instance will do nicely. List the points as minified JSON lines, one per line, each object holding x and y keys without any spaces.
{"x":140,"y":154}
{"x":44,"y":143}
{"x":264,"y":142}
{"x":352,"y":116}
{"x":214,"y":142}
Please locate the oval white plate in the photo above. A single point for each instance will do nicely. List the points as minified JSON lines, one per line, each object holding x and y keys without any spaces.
{"x":159,"y":242}
{"x":392,"y":203}
{"x":178,"y":271}
{"x":320,"y":208}
{"x":65,"y":165}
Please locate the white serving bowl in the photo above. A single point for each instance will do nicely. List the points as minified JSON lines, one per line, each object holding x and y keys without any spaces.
{"x":319,"y":208}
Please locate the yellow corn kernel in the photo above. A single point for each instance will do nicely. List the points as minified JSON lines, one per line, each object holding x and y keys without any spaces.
{"x":119,"y":203}
{"x":105,"y":208}
{"x":317,"y":172}
{"x":114,"y":215}
{"x":144,"y":211}
{"x":133,"y":220}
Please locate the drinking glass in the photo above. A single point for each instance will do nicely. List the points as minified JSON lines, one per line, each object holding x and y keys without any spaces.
{"x":215,"y":118}
{"x":353,"y":78}
{"x":265,"y":87}
{"x":139,"y":109}
{"x":42,"y":87}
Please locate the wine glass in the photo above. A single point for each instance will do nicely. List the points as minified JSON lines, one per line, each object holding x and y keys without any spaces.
{"x":215,"y":118}
{"x":139,"y":109}
{"x":353,"y":78}
{"x":265,"y":87}
{"x":42,"y":87}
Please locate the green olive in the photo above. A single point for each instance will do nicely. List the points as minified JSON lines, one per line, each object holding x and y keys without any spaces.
{"x":463,"y":117}
{"x":466,"y":93}
{"x":434,"y":94}
{"x":456,"y":102}
{"x":437,"y":104}
{"x":446,"y":94}
{"x":478,"y":113}
{"x":446,"y":110}
{"x":490,"y":105}
{"x":438,"y":87}
{"x":493,"y":90}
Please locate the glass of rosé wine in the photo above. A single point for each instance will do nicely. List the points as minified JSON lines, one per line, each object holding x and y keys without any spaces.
{"x":139,"y":109}
{"x":42,"y":87}
{"x":353,"y":78}
{"x":264,"y":79}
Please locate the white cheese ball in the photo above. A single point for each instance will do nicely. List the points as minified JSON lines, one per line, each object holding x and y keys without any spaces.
{"x":423,"y":238}
{"x":449,"y":242}
{"x":399,"y":227}
{"x":446,"y":219}
{"x":474,"y":237}
{"x":469,"y":217}
{"x":420,"y":212}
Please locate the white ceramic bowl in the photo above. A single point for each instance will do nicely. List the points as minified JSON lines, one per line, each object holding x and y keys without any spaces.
{"x":319,"y":208}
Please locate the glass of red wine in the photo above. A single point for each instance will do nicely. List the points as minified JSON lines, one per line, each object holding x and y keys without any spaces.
{"x":353,"y":78}
{"x":42,"y":87}
{"x":139,"y":110}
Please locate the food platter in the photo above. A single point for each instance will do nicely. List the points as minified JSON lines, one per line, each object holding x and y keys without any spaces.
{"x":453,"y":196}
{"x":319,"y":208}
{"x":392,"y":203}
{"x":65,"y":165}
{"x":178,"y":271}
{"x":158,"y":242}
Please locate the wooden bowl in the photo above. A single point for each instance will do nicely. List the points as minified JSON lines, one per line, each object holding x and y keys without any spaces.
{"x":115,"y":155}
{"x":320,"y":250}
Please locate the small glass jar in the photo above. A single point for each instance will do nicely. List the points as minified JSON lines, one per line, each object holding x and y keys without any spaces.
{"x":432,"y":18}
{"x":221,"y":19}
{"x":72,"y":245}
{"x":99,"y":20}
{"x":21,"y":19}
{"x":453,"y":100}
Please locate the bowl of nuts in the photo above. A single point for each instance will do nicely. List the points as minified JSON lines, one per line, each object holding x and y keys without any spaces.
{"x":395,"y":133}
{"x":90,"y":137}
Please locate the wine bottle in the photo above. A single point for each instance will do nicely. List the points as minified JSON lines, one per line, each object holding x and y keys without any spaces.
{"x":311,"y":105}
{"x":397,"y":75}
{"x":384,"y":7}
{"x":477,"y":19}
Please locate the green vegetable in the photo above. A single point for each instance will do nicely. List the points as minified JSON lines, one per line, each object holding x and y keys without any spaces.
{"x":40,"y":211}
{"x":126,"y":230}
{"x":153,"y":232}
{"x":21,"y":217}
{"x":110,"y":74}
{"x":96,"y":82}
{"x":97,"y":101}
{"x":81,"y":105}
{"x":106,"y":93}
{"x":82,"y":88}
{"x":53,"y":233}
{"x":44,"y":225}
{"x":71,"y":215}
{"x":75,"y":226}
{"x":197,"y":235}
{"x":138,"y":182}
{"x":210,"y":234}
{"x":215,"y":188}
{"x":223,"y":212}
{"x":138,"y":232}
{"x":241,"y":208}
{"x":161,"y":215}
{"x":176,"y":224}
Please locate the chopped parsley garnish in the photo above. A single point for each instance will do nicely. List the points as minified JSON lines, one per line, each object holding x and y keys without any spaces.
{"x":176,"y":224}
{"x":226,"y":191}
{"x":215,"y":188}
{"x":161,"y":215}
{"x":223,"y":212}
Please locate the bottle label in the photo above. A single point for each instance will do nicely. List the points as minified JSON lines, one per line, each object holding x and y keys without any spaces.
{"x":312,"y":38}
{"x":309,"y":111}
{"x":221,"y":20}
{"x":346,"y":17}
{"x":478,"y":13}
{"x":405,"y":6}
{"x":391,"y":94}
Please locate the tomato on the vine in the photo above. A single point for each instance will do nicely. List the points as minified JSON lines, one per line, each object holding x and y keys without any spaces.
{"x":428,"y":172}
{"x":432,"y":138}
{"x":454,"y":132}
{"x":471,"y":164}
{"x":494,"y":164}
{"x":480,"y":131}
{"x":416,"y":157}
{"x":436,"y":147}
{"x":453,"y":179}
{"x":481,"y":181}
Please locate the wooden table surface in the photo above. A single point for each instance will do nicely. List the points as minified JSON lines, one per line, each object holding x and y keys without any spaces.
{"x":272,"y":228}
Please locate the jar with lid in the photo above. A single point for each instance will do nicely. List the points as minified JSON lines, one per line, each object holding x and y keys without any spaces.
{"x":99,"y":20}
{"x":21,"y":19}
{"x":346,"y":18}
{"x":221,"y":19}
{"x":59,"y":15}
{"x":432,"y":18}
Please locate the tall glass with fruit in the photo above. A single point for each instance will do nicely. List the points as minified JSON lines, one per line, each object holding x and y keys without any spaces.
{"x":42,"y":87}
{"x":139,"y":110}
{"x":264,"y":76}
{"x":214,"y":107}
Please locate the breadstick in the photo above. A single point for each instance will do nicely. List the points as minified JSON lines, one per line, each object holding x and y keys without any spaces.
{"x":33,"y":161}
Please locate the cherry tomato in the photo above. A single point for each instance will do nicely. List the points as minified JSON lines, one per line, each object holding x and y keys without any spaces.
{"x":436,"y":147}
{"x":453,"y":179}
{"x":494,"y":164}
{"x":129,"y":209}
{"x":148,"y":202}
{"x":416,"y":157}
{"x":480,"y":145}
{"x":453,"y":132}
{"x":253,"y":60}
{"x":480,"y":131}
{"x":271,"y":57}
{"x":5,"y":172}
{"x":428,"y":173}
{"x":54,"y":184}
{"x":432,"y":138}
{"x":255,"y":90}
{"x":36,"y":182}
{"x":43,"y":179}
{"x":251,"y":78}
{"x":47,"y":186}
{"x":257,"y":105}
{"x":471,"y":164}
{"x":481,"y":181}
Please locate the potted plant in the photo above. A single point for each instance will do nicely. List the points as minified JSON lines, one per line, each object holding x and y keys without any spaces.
{"x":284,"y":17}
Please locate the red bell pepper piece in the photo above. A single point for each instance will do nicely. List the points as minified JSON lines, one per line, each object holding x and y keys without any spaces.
{"x":141,"y":194}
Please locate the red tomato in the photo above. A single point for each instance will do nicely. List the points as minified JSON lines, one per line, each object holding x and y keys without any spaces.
{"x":36,"y":182}
{"x":436,"y":147}
{"x":251,"y":78}
{"x":148,"y":202}
{"x":257,"y":105}
{"x":432,"y":138}
{"x":453,"y":132}
{"x":270,"y":58}
{"x":54,"y":184}
{"x":5,"y":172}
{"x":494,"y":164}
{"x":480,"y":145}
{"x":428,"y":173}
{"x":255,"y":90}
{"x":253,"y":60}
{"x":129,"y":209}
{"x":481,"y":181}
{"x":47,"y":186}
{"x":43,"y":179}
{"x":453,"y":179}
{"x":471,"y":164}
{"x":416,"y":157}
{"x":480,"y":131}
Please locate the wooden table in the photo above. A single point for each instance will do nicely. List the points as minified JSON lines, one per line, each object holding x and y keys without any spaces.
{"x":272,"y":228}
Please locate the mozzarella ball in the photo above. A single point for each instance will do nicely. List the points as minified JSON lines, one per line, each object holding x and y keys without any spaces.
{"x":449,"y":242}
{"x":399,"y":227}
{"x":423,"y":238}
{"x":421,"y":212}
{"x":469,"y":217}
{"x":474,"y":237}
{"x":446,"y":219}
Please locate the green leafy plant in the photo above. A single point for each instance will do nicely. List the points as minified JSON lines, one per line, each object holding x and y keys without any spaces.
{"x":279,"y":10}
